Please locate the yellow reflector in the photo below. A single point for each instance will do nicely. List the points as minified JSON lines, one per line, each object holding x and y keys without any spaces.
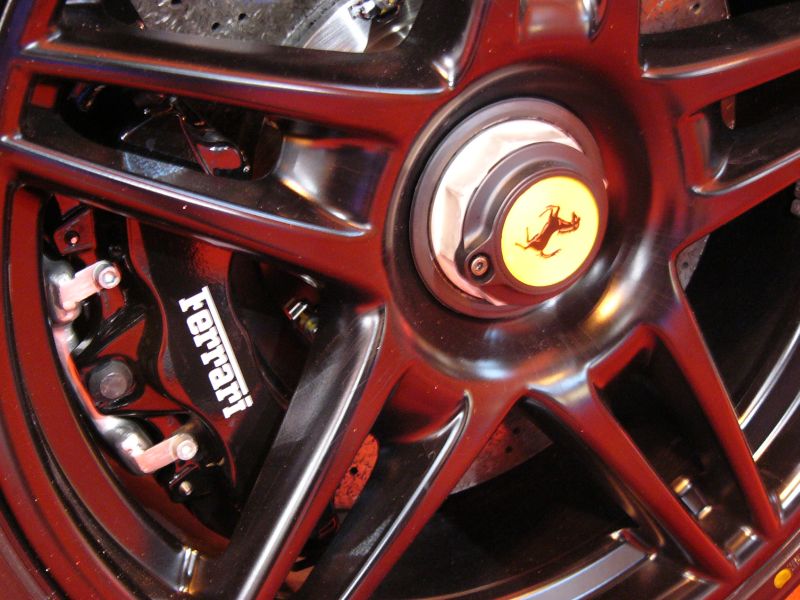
{"x":782,"y":578}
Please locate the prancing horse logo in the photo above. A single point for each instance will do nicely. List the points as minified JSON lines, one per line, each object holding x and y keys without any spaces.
{"x":553,"y":225}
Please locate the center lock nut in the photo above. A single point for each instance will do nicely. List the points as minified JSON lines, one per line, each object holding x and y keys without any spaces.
{"x":510,"y":210}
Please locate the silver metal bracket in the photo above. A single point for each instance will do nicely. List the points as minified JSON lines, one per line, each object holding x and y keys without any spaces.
{"x":68,"y":290}
{"x":180,"y":446}
{"x":133,"y":446}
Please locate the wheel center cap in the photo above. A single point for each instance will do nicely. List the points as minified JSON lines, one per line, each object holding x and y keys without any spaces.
{"x":549,"y":231}
{"x":510,"y":209}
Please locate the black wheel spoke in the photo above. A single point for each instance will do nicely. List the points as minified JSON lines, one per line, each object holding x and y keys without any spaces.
{"x":276,"y":224}
{"x":358,"y":106}
{"x":353,"y":371}
{"x":717,"y":208}
{"x":411,"y":480}
{"x":685,"y":342}
{"x":580,"y":410}
{"x":724,"y":58}
{"x":404,"y":491}
{"x":359,"y":92}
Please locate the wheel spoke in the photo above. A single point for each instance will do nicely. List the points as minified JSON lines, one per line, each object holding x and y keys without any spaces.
{"x":577,"y":407}
{"x":404,"y":490}
{"x":682,"y":336}
{"x":351,"y":374}
{"x":359,"y":107}
{"x":353,"y":91}
{"x":274,"y":223}
{"x":713,"y":205}
{"x":704,"y":65}
{"x":411,"y":480}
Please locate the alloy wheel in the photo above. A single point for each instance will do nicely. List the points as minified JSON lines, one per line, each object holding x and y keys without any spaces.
{"x":657,"y":456}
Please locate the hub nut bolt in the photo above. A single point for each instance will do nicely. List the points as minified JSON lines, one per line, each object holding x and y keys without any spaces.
{"x":111,"y":381}
{"x":479,"y":265}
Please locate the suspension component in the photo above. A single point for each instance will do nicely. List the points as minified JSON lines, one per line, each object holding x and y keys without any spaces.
{"x":213,"y":152}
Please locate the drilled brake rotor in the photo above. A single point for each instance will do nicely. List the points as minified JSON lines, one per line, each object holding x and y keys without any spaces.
{"x":318,"y":24}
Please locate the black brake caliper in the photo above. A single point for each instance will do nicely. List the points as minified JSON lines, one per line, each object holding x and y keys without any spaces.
{"x":207,"y":361}
{"x":184,"y":366}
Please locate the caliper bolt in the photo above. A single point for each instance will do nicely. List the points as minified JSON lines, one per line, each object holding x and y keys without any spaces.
{"x":111,"y":381}
{"x":107,"y":275}
{"x":186,"y":488}
{"x":479,"y":265}
{"x":186,"y":448}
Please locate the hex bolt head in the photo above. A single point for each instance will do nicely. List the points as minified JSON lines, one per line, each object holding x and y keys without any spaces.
{"x":186,"y":448}
{"x":111,"y":381}
{"x":186,"y":488}
{"x":107,"y":276}
{"x":479,"y":265}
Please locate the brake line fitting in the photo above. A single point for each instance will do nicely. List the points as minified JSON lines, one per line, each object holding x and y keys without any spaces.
{"x":66,"y":292}
{"x":373,"y":9}
{"x":301,"y":315}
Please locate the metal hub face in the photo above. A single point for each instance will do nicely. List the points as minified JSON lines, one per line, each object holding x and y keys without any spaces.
{"x":510,"y":209}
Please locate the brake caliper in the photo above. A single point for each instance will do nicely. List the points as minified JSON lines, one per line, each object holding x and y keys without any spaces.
{"x":207,"y":361}
{"x":182,"y":355}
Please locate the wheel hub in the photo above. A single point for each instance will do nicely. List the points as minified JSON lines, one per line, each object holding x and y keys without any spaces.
{"x":510,"y":210}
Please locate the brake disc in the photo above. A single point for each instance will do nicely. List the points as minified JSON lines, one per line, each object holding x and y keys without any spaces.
{"x":319,"y":24}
